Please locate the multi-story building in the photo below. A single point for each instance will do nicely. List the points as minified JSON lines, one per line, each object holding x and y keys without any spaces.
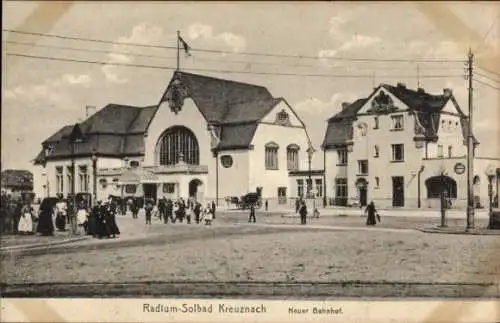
{"x":400,"y":148}
{"x":207,"y":138}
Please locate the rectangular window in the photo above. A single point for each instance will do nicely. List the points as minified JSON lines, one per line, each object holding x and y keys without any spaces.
{"x":271,"y":158}
{"x":59,"y":180}
{"x":169,"y":188}
{"x":375,"y":125}
{"x":300,"y":188}
{"x":397,"y":122}
{"x":342,"y":157}
{"x":362,"y":167}
{"x":376,"y":151}
{"x":377,"y":182}
{"x":319,"y":187}
{"x":440,"y":151}
{"x":292,"y":157}
{"x":341,"y":191}
{"x":450,"y":151}
{"x":84,"y":179}
{"x":69,"y":177}
{"x":309,"y":186}
{"x":398,"y":152}
{"x":130,"y":188}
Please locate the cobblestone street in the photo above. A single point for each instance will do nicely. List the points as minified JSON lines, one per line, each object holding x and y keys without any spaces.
{"x":228,"y":251}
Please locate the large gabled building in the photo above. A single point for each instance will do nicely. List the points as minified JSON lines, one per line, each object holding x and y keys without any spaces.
{"x":207,"y":138}
{"x":399,"y":147}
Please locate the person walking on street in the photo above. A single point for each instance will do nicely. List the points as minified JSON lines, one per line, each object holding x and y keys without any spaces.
{"x":148,"y":208}
{"x":267,"y":205}
{"x":297,"y":206}
{"x":169,"y":209}
{"x":189,"y":211}
{"x":372,"y":214}
{"x":45,"y":224}
{"x":197,"y":211}
{"x":303,"y":213}
{"x":252,"y":214}
{"x":213,"y":209}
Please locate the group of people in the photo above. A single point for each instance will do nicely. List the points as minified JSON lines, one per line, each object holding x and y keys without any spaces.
{"x":179,"y":210}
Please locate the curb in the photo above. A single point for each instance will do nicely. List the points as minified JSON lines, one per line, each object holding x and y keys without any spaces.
{"x":39,"y":245}
{"x":484,"y":232}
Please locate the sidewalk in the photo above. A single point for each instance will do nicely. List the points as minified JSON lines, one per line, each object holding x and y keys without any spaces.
{"x":344,"y":211}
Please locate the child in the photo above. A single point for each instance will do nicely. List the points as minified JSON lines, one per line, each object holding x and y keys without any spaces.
{"x":208,"y":216}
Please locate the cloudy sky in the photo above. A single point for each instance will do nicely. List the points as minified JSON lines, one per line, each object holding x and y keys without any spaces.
{"x":40,"y":96}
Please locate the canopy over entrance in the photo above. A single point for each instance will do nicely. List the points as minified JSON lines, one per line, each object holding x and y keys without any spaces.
{"x":138,"y":176}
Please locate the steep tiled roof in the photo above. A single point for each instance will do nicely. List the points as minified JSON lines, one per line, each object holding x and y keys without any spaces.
{"x":115,"y":130}
{"x":339,"y":129}
{"x":237,"y":136}
{"x":118,"y":130}
{"x":427,"y":108}
{"x":19,"y":179}
{"x":219,"y":100}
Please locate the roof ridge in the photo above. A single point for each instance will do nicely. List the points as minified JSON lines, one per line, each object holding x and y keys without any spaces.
{"x":221,"y":79}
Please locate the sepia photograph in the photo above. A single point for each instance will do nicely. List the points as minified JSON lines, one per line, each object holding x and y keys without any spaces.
{"x":249,"y":152}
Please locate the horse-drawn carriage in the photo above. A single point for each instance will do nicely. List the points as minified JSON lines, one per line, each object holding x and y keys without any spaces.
{"x":247,"y":200}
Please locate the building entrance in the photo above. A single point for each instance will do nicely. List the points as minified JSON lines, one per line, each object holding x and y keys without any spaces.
{"x":398,"y":191}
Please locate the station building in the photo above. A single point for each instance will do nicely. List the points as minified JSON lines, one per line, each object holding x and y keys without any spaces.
{"x":207,"y":138}
{"x":401,"y":147}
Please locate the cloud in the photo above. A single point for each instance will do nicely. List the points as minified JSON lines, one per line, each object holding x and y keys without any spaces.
{"x":144,"y":34}
{"x":206,"y":32}
{"x":50,"y":89}
{"x":316,"y":107}
{"x":359,"y":41}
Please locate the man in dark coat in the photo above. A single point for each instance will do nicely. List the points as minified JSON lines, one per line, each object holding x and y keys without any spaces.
{"x":101,"y":229}
{"x":303,"y":213}
{"x":110,"y":217}
{"x":169,"y":211}
{"x":148,"y":208}
{"x":197,"y":212}
{"x":252,"y":214}
{"x":213,"y":209}
{"x":162,"y":208}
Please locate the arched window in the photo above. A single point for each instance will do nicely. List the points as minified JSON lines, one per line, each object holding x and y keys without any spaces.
{"x":450,"y":151}
{"x":436,"y":184}
{"x":292,"y":156}
{"x":271,"y":155}
{"x":178,"y":143}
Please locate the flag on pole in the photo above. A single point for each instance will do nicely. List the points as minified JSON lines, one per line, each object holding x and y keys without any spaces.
{"x":185,"y":46}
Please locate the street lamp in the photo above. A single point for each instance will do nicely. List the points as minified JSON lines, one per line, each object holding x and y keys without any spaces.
{"x":94,"y":178}
{"x":490,"y":173}
{"x":75,"y":137}
{"x":310,"y":152}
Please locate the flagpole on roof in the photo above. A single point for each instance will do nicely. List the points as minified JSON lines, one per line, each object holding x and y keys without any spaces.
{"x":178,"y":47}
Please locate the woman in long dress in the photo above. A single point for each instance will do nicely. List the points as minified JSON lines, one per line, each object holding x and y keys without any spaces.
{"x":45,"y":224}
{"x":110,"y":216}
{"x":25,"y":225}
{"x":372,"y":212}
{"x":208,"y":215}
{"x":82,"y":219}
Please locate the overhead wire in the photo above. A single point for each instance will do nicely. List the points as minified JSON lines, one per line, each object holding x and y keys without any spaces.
{"x":223,"y":70}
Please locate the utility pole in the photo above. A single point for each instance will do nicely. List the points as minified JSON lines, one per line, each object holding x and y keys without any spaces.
{"x":418,"y":76}
{"x":470,"y":148}
{"x":178,"y":41}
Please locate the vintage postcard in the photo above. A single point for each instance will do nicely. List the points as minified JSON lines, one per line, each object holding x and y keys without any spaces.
{"x":250,"y":161}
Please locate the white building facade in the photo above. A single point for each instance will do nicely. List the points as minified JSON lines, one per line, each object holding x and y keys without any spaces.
{"x":400,"y":148}
{"x":207,"y":138}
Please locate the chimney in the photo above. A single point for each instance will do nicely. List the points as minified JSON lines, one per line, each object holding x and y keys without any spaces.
{"x":402,"y":85}
{"x":90,"y":110}
{"x":345,"y":105}
{"x":447,"y":92}
{"x":420,"y":90}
